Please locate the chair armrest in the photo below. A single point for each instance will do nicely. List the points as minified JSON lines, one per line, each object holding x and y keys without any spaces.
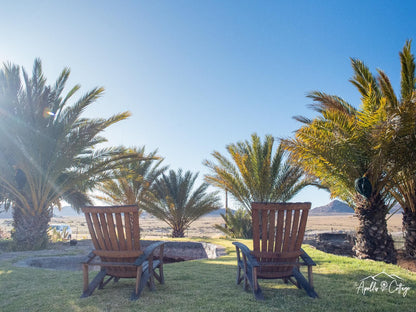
{"x":305,"y":257}
{"x":247,"y":253}
{"x":148,"y":252}
{"x":88,"y":258}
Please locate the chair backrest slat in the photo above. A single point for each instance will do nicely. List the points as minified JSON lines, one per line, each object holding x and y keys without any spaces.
{"x":136,"y":230}
{"x":287,"y":231}
{"x":263,"y":236}
{"x":91,"y":229}
{"x":295,"y":229}
{"x":98,"y":231}
{"x":302,"y":229}
{"x":127,"y":222}
{"x":120,"y":232}
{"x":104,"y":229}
{"x":279,"y":230}
{"x":112,"y":232}
{"x":272,"y":231}
{"x":256,"y":232}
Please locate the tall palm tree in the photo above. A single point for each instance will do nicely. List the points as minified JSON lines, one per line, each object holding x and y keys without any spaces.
{"x":398,"y":142}
{"x":135,"y":182}
{"x":48,"y":151}
{"x":256,"y":173}
{"x":339,"y":147}
{"x":177,"y":203}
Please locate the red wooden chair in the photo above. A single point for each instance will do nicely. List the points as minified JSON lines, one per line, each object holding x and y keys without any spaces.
{"x":278,"y":231}
{"x":115,"y":234}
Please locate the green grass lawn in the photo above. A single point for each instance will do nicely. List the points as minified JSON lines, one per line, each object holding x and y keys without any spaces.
{"x":207,"y":285}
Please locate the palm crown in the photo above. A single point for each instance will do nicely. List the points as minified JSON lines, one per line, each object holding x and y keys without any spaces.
{"x":177,"y":202}
{"x":254,"y":173}
{"x":135,"y":182}
{"x":49,"y":152}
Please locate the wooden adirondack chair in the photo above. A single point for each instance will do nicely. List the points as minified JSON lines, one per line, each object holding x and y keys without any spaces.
{"x":278,"y":230}
{"x":115,"y":234}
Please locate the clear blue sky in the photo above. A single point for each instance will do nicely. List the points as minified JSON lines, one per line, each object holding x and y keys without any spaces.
{"x":198,"y":75}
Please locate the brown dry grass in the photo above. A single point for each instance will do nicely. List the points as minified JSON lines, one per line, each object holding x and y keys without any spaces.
{"x":344,"y":222}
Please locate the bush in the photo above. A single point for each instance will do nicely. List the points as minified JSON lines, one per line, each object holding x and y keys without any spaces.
{"x":237,"y":224}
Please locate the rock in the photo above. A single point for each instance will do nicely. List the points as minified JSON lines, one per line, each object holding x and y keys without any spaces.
{"x":338,"y":243}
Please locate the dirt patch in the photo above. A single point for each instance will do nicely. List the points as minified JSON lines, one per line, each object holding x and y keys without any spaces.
{"x":406,"y":263}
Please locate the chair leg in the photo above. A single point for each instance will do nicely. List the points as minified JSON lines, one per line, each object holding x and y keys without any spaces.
{"x":290,"y":279}
{"x":103,"y":283}
{"x":245,"y":271}
{"x":86,"y":278}
{"x":89,"y":288}
{"x":160,"y":277}
{"x":161,"y":274}
{"x":258,"y":294}
{"x":302,"y":282}
{"x":139,"y":281}
{"x":310,"y":276}
{"x":239,"y":278}
{"x":239,"y":266}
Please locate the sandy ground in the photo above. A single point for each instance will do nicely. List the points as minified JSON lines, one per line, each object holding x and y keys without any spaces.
{"x":347,"y":223}
{"x":204,"y":227}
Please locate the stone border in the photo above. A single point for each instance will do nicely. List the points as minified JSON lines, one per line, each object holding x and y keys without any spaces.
{"x":174,"y":252}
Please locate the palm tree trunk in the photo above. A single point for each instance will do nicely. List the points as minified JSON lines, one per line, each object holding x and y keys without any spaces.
{"x":30,"y":231}
{"x":373,"y":240}
{"x":409,"y":227}
{"x":178,"y":232}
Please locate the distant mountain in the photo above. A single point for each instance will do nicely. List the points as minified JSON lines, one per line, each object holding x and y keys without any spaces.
{"x":396,"y":209}
{"x":216,"y":213}
{"x":66,"y":211}
{"x":334,"y":207}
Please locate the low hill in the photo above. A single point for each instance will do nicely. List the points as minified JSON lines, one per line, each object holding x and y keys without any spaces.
{"x":334,"y":207}
{"x":66,"y":211}
{"x":216,"y":212}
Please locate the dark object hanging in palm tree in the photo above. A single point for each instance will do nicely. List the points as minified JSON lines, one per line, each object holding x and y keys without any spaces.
{"x":363,"y":186}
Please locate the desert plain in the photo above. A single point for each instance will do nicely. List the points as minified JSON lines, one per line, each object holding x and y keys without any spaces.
{"x":153,"y":228}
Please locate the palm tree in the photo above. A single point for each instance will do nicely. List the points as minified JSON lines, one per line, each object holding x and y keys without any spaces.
{"x":48,"y":150}
{"x":176,"y":203}
{"x":340,"y":148}
{"x":134,"y":184}
{"x":256,"y":173}
{"x":398,"y":142}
